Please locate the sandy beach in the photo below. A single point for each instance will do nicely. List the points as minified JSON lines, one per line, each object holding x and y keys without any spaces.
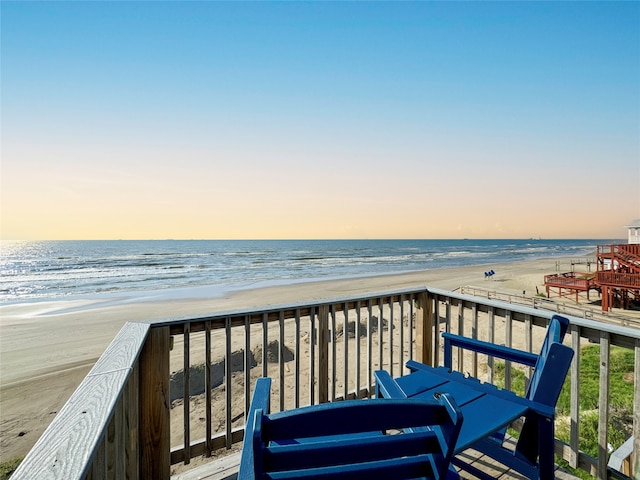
{"x":46,"y":348}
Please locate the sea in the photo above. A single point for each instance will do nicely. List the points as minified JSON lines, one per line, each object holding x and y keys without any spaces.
{"x":33,"y":271}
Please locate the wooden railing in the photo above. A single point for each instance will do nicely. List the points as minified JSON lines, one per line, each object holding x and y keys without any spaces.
{"x":626,"y":254}
{"x":169,"y":391}
{"x":621,"y":280}
{"x":564,"y":308}
{"x":570,"y":280}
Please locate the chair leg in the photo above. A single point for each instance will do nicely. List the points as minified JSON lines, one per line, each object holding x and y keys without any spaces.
{"x":546,"y":459}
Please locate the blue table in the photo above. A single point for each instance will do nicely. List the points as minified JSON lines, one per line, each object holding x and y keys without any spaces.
{"x":486,"y":409}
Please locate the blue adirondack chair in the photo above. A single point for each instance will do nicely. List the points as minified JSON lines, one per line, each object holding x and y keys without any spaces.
{"x":489,"y":410}
{"x":347,"y":440}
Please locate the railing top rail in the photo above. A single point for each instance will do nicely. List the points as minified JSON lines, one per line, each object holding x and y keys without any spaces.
{"x":65,"y":449}
{"x":616,"y":330}
{"x":270,"y":309}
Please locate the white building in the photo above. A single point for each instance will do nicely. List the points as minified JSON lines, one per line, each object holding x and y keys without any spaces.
{"x":634,"y":231}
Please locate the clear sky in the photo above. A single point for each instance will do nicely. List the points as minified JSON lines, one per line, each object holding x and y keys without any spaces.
{"x":319,"y":120}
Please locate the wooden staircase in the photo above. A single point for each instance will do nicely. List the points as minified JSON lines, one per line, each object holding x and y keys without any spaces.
{"x":618,"y":275}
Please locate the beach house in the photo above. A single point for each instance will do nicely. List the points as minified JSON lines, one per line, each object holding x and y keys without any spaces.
{"x":634,"y":231}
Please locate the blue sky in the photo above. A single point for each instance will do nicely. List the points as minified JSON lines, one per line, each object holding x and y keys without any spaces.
{"x":320,"y":119}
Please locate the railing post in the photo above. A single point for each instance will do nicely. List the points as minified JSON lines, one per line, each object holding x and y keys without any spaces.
{"x":323,"y":353}
{"x":603,"y":406}
{"x":424,"y":328}
{"x":155,"y":457}
{"x":574,"y":440}
{"x":635,"y":458}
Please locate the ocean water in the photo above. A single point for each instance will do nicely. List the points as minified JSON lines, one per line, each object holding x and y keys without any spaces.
{"x":45,"y":270}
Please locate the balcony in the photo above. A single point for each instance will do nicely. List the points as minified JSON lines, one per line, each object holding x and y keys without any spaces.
{"x":166,"y":395}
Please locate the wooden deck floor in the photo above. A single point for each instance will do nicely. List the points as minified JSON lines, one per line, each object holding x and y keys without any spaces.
{"x":226,"y":468}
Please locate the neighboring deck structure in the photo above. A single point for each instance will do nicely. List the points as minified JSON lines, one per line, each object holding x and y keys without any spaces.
{"x":617,"y":278}
{"x":571,"y":284}
{"x":128,"y":420}
{"x":618,"y":275}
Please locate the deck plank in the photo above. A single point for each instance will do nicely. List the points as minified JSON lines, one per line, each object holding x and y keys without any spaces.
{"x":226,"y":468}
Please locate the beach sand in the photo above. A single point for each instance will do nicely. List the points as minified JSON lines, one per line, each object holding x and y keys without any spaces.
{"x":47,"y":348}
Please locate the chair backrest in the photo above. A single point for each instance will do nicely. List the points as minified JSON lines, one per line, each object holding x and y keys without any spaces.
{"x":546,"y":382}
{"x":545,"y":386}
{"x":346,"y":440}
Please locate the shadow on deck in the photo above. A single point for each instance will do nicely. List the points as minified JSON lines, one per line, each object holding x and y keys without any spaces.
{"x":226,"y":468}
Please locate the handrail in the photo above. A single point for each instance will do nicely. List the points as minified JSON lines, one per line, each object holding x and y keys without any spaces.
{"x":593,"y":328}
{"x":567,"y":309}
{"x":92,"y":423}
{"x":606,"y":335}
{"x":116,"y":424}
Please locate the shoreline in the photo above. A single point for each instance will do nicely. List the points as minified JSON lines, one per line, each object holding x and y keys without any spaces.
{"x":48,"y":347}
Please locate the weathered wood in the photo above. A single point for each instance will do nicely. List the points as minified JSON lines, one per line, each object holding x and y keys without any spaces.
{"x":123,"y":350}
{"x":198,"y":447}
{"x":460,"y":332}
{"x":447,"y":315}
{"x":256,"y":315}
{"x":115,"y":460}
{"x":474,"y":334}
{"x":585,"y":462}
{"x":528,"y":346}
{"x":297,"y":361}
{"x":380,"y":332}
{"x":332,"y":339}
{"x":281,"y":348}
{"x":247,"y":369}
{"x":110,"y":447}
{"x":369,"y":343}
{"x":390,"y":331}
{"x":436,"y":335}
{"x":99,"y":466}
{"x":75,"y":437}
{"x":186,"y":404}
{"x":265,"y":344}
{"x":225,"y":468}
{"x":208,"y":387}
{"x":345,"y":349}
{"x":635,"y":458}
{"x":73,"y":445}
{"x":227,"y":382}
{"x":574,"y":433}
{"x":492,"y":339}
{"x":312,"y":356}
{"x":411,"y":328}
{"x":154,"y":406}
{"x":323,"y":353}
{"x":358,"y":315}
{"x":131,"y":426}
{"x":125,"y":356}
{"x":424,"y":328}
{"x":508,"y":331}
{"x":603,"y":407}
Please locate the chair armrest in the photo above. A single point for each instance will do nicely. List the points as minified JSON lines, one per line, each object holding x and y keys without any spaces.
{"x":386,"y":386}
{"x":479,"y":346}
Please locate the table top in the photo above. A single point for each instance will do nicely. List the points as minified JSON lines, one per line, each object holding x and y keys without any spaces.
{"x":482,"y":412}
